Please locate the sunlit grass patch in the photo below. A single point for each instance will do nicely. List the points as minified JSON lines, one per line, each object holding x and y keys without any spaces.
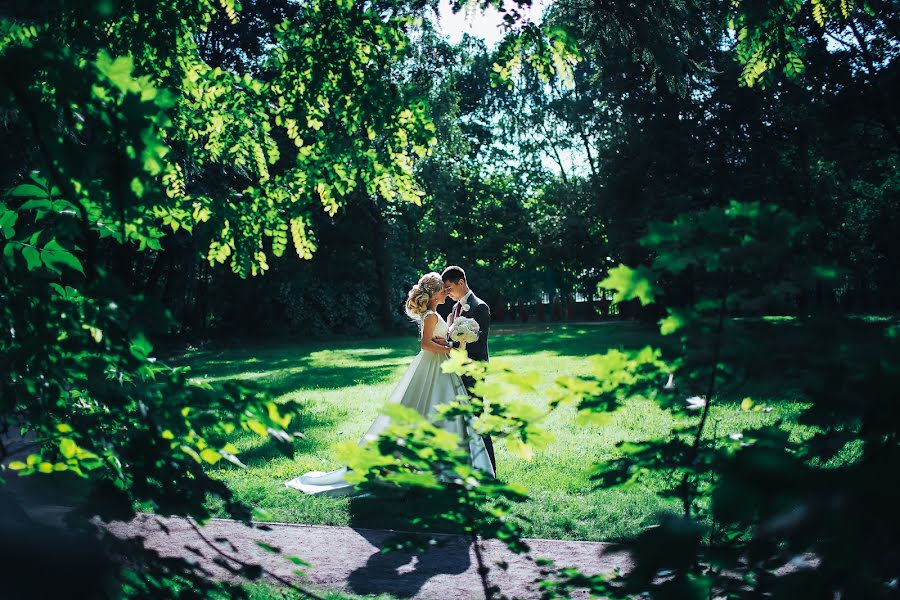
{"x":342,"y":388}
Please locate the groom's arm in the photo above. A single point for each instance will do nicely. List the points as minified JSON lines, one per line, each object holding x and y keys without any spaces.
{"x":483,"y":317}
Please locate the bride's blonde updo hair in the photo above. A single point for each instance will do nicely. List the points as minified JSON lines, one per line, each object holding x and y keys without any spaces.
{"x":421,"y":293}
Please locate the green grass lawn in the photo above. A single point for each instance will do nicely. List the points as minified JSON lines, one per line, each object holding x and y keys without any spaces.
{"x":343,"y":383}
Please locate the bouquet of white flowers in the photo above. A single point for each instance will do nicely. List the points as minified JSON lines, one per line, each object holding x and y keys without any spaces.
{"x":464,"y":330}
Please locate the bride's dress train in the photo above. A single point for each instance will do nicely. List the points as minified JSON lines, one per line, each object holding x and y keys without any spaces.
{"x":423,"y":388}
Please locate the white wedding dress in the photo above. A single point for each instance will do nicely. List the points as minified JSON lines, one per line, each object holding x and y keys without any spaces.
{"x":423,"y":388}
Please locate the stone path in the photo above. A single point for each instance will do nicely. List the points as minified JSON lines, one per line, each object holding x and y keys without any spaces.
{"x":342,"y":558}
{"x":348,"y":559}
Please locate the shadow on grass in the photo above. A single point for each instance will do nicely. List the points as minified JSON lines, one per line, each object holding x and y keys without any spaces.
{"x":328,"y":366}
{"x":574,"y":340}
{"x":264,"y":451}
{"x":785,"y":359}
{"x":390,"y":512}
{"x":377,"y":513}
{"x":317,"y":370}
{"x":332,"y":377}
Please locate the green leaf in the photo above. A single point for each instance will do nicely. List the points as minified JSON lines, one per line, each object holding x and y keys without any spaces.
{"x":140,"y":346}
{"x":32,"y":258}
{"x":422,"y":480}
{"x":794,"y":66}
{"x":67,"y":447}
{"x":272,"y":410}
{"x":210,"y":456}
{"x":96,"y":332}
{"x":137,"y":186}
{"x":520,"y":448}
{"x":7,"y":221}
{"x":670,"y":324}
{"x":27,"y":190}
{"x":826,"y":273}
{"x":55,"y":255}
{"x":746,"y":403}
{"x":39,"y":204}
{"x":819,"y":12}
{"x":630,"y":284}
{"x":118,"y":71}
{"x":258,"y":428}
{"x":268,"y":547}
{"x":261,"y":514}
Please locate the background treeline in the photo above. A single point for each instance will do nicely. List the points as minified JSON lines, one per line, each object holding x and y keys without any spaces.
{"x":539,"y":189}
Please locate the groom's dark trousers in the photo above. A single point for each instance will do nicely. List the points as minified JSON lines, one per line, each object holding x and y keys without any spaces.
{"x":481,"y":312}
{"x":488,"y":442}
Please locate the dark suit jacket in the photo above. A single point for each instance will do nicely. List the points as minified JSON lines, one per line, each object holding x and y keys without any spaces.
{"x":481,"y":312}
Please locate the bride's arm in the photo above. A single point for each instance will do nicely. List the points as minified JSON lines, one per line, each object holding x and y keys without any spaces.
{"x":428,"y":344}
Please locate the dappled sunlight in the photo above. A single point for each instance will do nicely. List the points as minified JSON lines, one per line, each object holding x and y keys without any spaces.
{"x":561,"y":340}
{"x":287,"y":371}
{"x":359,"y":357}
{"x":679,"y":222}
{"x":344,"y":387}
{"x":252,"y":375}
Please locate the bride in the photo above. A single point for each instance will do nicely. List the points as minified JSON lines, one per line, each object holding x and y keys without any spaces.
{"x":423,"y":388}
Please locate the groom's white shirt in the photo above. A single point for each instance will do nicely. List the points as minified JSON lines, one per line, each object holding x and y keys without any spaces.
{"x":460,"y":302}
{"x":464,"y":298}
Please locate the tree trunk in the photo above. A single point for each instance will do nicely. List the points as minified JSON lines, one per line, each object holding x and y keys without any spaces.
{"x":382,"y":260}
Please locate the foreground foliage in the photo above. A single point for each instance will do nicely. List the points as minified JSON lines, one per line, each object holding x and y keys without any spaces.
{"x":129,"y":126}
{"x":756,"y":502}
{"x":127,"y":131}
{"x":81,"y":379}
{"x":762,"y":511}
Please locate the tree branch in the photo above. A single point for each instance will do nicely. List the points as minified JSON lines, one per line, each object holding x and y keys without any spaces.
{"x":710,"y":390}
{"x":278,"y":578}
{"x":884,"y":111}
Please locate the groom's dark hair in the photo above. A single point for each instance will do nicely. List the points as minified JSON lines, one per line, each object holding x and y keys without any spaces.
{"x":453,"y":274}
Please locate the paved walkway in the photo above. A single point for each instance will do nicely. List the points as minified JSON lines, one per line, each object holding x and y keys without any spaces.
{"x":341,"y":558}
{"x":349,"y":560}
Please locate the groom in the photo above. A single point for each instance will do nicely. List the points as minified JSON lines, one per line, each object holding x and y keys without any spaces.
{"x":471,"y":306}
